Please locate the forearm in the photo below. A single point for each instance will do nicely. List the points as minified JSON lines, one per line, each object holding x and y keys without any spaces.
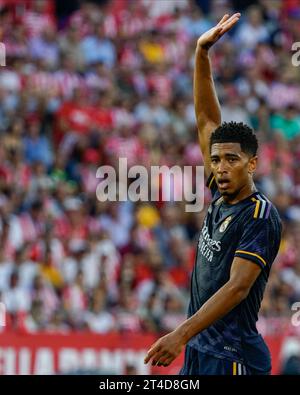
{"x":220,"y":304}
{"x":207,"y":107}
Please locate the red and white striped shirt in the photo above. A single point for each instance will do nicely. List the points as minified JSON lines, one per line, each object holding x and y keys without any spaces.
{"x":36,"y":23}
{"x":43,"y":81}
{"x":130,"y":148}
{"x":67,"y":82}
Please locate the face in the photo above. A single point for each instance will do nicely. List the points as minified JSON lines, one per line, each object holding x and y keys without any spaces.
{"x":232,"y":168}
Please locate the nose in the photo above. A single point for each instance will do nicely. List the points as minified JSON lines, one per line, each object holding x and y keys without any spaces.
{"x":222,"y":167}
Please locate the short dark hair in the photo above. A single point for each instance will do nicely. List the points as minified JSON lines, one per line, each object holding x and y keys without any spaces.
{"x":236,"y":132}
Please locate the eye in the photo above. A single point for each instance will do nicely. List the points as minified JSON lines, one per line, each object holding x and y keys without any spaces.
{"x":231,"y":160}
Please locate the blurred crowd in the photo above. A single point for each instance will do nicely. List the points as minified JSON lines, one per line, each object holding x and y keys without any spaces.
{"x":114,"y":79}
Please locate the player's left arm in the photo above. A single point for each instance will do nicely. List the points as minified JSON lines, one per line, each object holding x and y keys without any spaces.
{"x":242,"y":276}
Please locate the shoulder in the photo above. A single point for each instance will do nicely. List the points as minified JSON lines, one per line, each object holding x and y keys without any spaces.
{"x":262,"y":214}
{"x":261,"y":208}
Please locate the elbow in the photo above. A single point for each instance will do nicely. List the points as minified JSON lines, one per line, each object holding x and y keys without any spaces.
{"x":206,"y":122}
{"x":239,"y":292}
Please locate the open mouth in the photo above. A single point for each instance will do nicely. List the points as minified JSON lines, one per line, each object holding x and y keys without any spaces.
{"x":223,"y":184}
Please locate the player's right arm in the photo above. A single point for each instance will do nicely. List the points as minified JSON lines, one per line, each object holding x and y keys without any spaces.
{"x":207,"y":107}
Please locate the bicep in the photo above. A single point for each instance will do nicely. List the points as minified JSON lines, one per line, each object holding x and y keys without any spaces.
{"x":244,"y":273}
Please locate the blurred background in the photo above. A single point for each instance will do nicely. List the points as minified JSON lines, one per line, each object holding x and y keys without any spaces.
{"x":88,"y":286}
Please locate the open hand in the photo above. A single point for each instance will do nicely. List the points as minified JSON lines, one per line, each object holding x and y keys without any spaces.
{"x":207,"y":39}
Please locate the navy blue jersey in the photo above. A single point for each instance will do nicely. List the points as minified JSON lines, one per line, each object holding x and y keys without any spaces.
{"x":249,"y":229}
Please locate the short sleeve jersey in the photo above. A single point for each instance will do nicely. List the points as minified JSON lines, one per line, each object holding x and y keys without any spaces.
{"x":250,"y":229}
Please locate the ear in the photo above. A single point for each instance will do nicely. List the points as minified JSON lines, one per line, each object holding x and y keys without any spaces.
{"x":252,"y":165}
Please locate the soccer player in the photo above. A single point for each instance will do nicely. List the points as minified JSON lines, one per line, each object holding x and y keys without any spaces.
{"x":239,"y":241}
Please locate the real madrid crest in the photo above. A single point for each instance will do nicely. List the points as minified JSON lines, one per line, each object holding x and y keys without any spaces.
{"x":224,"y":224}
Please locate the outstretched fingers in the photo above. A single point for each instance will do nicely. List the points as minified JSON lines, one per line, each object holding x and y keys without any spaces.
{"x":227,"y":24}
{"x":225,"y":18}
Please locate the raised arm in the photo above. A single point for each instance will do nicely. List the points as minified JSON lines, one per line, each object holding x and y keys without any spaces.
{"x":207,"y":107}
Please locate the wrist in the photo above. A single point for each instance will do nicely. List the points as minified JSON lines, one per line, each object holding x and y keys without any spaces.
{"x":203,"y":49}
{"x":182,"y":332}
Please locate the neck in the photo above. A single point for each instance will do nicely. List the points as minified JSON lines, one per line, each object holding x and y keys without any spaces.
{"x":242,"y":194}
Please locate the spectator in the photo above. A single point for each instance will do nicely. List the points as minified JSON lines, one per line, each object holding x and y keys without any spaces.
{"x":99,"y":320}
{"x":37,"y":147}
{"x":253,"y":31}
{"x":114,"y":81}
{"x":96,"y":47}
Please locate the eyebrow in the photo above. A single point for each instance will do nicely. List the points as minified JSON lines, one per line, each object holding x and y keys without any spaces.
{"x":227,"y":155}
